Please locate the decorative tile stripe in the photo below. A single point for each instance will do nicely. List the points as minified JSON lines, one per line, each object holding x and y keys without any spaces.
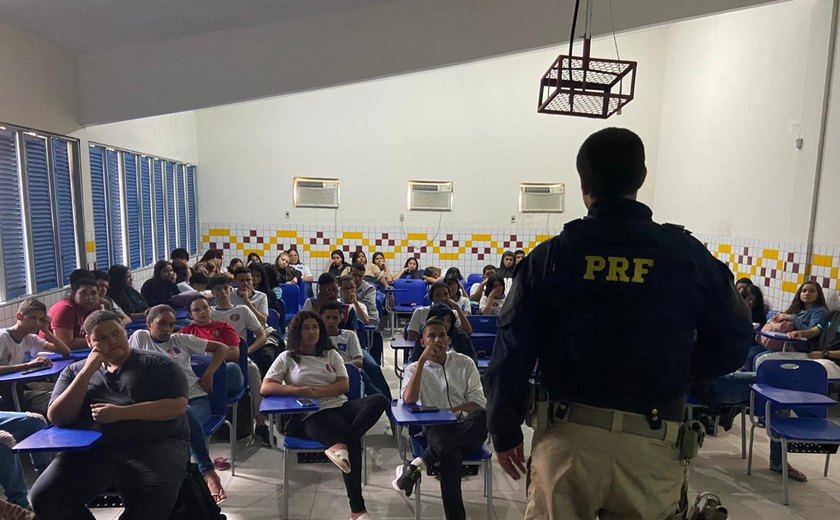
{"x":777,"y":268}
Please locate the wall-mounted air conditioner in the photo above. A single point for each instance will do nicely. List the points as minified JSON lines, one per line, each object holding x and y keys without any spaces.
{"x":315,"y":193}
{"x":541,"y":197}
{"x":430,"y":195}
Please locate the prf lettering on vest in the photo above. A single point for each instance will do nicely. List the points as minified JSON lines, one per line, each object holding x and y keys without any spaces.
{"x":615,"y":268}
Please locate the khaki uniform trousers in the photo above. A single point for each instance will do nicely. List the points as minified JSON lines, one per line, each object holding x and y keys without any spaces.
{"x":579,"y":472}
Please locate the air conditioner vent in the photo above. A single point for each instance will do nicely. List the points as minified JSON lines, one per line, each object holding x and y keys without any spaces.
{"x":316,"y":193}
{"x":430,"y":196}
{"x":542,"y":198}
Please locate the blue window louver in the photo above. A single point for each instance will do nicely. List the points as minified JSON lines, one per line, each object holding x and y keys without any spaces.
{"x":182,"y":205}
{"x":114,"y":206}
{"x":160,"y":212}
{"x":11,"y":227}
{"x":146,"y":210}
{"x":170,"y":206}
{"x":42,"y":232}
{"x":132,"y":209}
{"x":100,"y":209}
{"x":63,"y":198}
{"x":191,"y":207}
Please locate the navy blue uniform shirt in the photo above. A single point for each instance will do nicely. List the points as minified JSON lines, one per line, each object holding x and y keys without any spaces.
{"x":619,"y":312}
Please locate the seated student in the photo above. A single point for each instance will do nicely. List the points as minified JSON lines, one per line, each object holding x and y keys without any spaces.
{"x":159,"y":338}
{"x":161,"y":287}
{"x":67,"y":317}
{"x":294,"y":261}
{"x":366,"y":292}
{"x":347,"y":344}
{"x":755,"y":301}
{"x":197,"y":285}
{"x":311,"y":367}
{"x":121,"y":291}
{"x":180,"y":258}
{"x":253,"y":258}
{"x":103,"y":283}
{"x":283,"y":272}
{"x":257,"y":303}
{"x":518,"y":256}
{"x":379,"y":261}
{"x":15,"y":427}
{"x":261,"y":282}
{"x":327,"y":291}
{"x":457,"y":293}
{"x":494,"y":296}
{"x":337,"y":264}
{"x":212,"y":262}
{"x":431,"y":275}
{"x":438,"y":293}
{"x":458,"y":341}
{"x":203,"y":326}
{"x":806,"y":311}
{"x":477,"y":289}
{"x":235,"y":263}
{"x":372,"y":274}
{"x":507,"y":264}
{"x":348,"y":295}
{"x":411,"y":270}
{"x":446,"y":380}
{"x":138,"y":400}
{"x":244,"y":321}
{"x":22,"y":338}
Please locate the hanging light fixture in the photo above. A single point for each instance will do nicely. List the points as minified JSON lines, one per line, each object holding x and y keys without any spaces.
{"x":584,"y":86}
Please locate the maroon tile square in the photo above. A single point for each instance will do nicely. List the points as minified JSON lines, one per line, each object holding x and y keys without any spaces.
{"x":260,"y":240}
{"x":226,"y":246}
{"x":253,"y":232}
{"x":790,"y":257}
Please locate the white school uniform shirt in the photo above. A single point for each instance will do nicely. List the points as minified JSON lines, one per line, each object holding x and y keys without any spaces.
{"x":347,"y":344}
{"x":240,"y":318}
{"x":302,"y":269}
{"x":497,"y":305}
{"x":258,"y":299}
{"x":418,"y":319}
{"x":178,"y":348}
{"x":13,"y":353}
{"x":461,"y":385}
{"x":320,"y":370}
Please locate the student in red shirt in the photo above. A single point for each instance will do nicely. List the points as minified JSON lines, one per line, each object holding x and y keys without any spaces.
{"x":68,"y":315}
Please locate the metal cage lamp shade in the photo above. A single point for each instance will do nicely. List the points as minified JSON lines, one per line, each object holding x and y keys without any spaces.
{"x":584,"y":86}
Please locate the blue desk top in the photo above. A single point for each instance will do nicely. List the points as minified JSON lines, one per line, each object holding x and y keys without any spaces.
{"x":781,"y":336}
{"x":482,"y":335}
{"x":276,"y":404}
{"x":58,"y":439}
{"x":402,"y":344}
{"x":792,"y":397}
{"x":54,"y":370}
{"x":74,"y":355}
{"x":405,"y":418}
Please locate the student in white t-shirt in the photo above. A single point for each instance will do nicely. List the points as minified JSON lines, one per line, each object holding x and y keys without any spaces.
{"x":22,"y":338}
{"x":159,"y":338}
{"x":477,"y":289}
{"x":294,"y":261}
{"x":438,"y":293}
{"x":347,"y":343}
{"x":494,"y":296}
{"x":312,"y":368}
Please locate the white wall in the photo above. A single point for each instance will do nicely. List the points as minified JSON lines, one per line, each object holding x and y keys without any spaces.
{"x":739,"y":88}
{"x":38,"y":86}
{"x":475,"y":124}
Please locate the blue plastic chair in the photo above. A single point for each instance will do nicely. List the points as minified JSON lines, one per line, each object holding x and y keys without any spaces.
{"x":295,"y":445}
{"x":809,"y":431}
{"x":301,"y":285}
{"x":484,"y":324}
{"x":473,"y":278}
{"x":408,"y":295}
{"x":291,"y":299}
{"x":233,"y":401}
{"x":273,"y":320}
{"x":218,"y":397}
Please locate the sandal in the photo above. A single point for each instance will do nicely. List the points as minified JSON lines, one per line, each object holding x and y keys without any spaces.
{"x":221,"y":464}
{"x":340,"y":458}
{"x":793,"y":473}
{"x":219,"y":496}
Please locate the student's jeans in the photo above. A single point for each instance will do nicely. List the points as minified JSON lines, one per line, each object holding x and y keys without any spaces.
{"x":198,"y":413}
{"x":234,"y":378}
{"x":148,"y":477}
{"x":446,"y":445}
{"x":346,"y":424}
{"x":373,"y":377}
{"x":21,"y":425}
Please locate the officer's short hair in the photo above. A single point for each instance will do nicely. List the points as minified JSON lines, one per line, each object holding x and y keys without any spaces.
{"x":611,"y":163}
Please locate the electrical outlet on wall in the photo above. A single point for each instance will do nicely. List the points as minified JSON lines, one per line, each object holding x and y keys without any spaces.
{"x":287,"y":214}
{"x":513,"y":219}
{"x":402,"y":217}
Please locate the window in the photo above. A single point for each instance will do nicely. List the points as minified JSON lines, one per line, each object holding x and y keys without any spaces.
{"x":40,"y":220}
{"x":143,"y":207}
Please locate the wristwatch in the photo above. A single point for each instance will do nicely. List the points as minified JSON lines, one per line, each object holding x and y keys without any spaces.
{"x":826,"y":354}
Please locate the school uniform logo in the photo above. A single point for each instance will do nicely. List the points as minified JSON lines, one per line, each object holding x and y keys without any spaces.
{"x":329,"y":368}
{"x":234,"y":316}
{"x":174,"y":351}
{"x":342,"y":347}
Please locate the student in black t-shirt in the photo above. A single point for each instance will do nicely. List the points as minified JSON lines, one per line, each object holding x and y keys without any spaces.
{"x":138,"y":400}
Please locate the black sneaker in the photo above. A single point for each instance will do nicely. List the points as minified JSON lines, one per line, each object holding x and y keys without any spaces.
{"x":261,"y":433}
{"x":407,"y":477}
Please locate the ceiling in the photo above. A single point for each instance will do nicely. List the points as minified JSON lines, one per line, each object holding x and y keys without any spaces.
{"x":91,"y":25}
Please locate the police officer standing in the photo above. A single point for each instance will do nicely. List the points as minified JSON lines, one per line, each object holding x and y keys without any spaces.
{"x":617,"y":313}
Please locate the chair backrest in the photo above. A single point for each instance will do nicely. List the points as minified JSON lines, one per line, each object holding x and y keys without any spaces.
{"x":355,"y":379}
{"x":793,"y":374}
{"x":218,"y":396}
{"x":291,"y":298}
{"x":407,"y":291}
{"x":361,"y":333}
{"x":473,"y":278}
{"x":301,"y":285}
{"x":243,"y":360}
{"x":485,"y":324}
{"x":427,"y":302}
{"x":273,"y":319}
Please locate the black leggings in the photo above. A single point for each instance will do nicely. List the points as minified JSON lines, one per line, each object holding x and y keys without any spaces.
{"x":447,"y":445}
{"x":148,"y":477}
{"x":345,"y":425}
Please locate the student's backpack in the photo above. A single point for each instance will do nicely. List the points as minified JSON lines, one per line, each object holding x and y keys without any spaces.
{"x":194,"y":500}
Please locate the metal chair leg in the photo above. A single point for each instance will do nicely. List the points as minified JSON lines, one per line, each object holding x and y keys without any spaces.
{"x":743,"y":433}
{"x":233,"y":431}
{"x":827,"y":457}
{"x":784,"y":472}
{"x":286,"y":455}
{"x":488,"y":478}
{"x":417,"y":499}
{"x":749,"y":455}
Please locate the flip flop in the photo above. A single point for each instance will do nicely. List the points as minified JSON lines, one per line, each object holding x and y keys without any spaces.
{"x":217,"y":498}
{"x":793,"y":473}
{"x":221,"y":464}
{"x":340,"y":458}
